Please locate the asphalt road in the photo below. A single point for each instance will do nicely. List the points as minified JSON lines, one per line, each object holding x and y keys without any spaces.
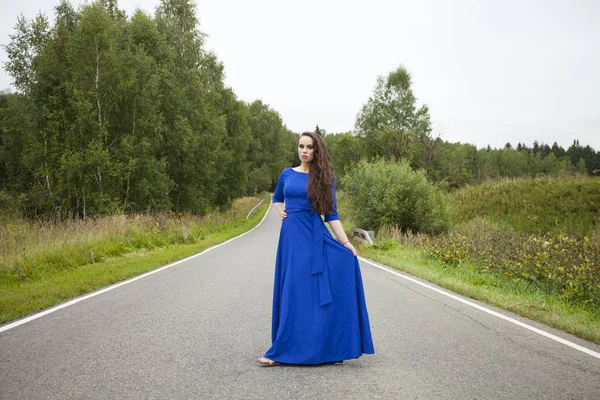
{"x":194,"y":331}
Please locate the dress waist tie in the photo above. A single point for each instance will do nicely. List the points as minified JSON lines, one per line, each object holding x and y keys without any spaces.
{"x":318,"y":264}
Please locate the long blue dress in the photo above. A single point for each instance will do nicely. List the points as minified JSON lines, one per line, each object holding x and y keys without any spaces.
{"x":319,"y":310}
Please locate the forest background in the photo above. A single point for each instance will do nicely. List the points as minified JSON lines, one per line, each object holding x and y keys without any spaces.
{"x":126,"y":114}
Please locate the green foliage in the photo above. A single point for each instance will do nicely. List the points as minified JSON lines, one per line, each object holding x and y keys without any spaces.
{"x":558,"y":263}
{"x":391,"y":124}
{"x":455,"y":164}
{"x":345,"y":150}
{"x":542,"y":232}
{"x":385,"y":192}
{"x":272,"y":147}
{"x":510,"y":163}
{"x":259,"y":179}
{"x":568,"y":205}
{"x":384,"y":245}
{"x":583,"y":156}
{"x":9,"y":205}
{"x":118,"y":114}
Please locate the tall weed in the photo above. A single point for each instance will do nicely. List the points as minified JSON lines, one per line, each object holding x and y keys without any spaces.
{"x":29,"y":250}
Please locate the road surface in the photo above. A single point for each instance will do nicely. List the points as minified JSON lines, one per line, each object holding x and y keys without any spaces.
{"x":195,"y":330}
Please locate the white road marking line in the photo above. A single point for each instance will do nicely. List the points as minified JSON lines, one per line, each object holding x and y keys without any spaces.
{"x":109,"y":288}
{"x":469,"y":303}
{"x":494,"y":313}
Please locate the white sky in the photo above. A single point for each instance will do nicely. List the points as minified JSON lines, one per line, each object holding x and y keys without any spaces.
{"x":491,"y":71}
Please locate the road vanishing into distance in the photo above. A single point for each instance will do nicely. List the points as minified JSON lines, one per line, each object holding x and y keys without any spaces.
{"x":194,"y":330}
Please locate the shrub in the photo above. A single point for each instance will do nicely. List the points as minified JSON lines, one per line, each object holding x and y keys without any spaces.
{"x":385,"y":192}
{"x":558,"y":263}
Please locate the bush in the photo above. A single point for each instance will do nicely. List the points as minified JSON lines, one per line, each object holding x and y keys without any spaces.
{"x":557,"y":263}
{"x":385,"y":192}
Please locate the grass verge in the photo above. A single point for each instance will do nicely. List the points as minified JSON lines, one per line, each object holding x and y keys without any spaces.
{"x":18,"y":299}
{"x":513,"y":295}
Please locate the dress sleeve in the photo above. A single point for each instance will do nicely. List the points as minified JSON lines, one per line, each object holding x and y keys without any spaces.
{"x":333,"y":215}
{"x":278,"y":194}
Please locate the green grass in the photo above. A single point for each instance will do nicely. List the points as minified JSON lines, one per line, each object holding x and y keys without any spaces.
{"x":493,"y":288}
{"x":51,"y":286}
{"x":567,"y":205}
{"x":407,"y":252}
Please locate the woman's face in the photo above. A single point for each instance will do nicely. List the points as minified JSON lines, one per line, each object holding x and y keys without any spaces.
{"x":306,"y":149}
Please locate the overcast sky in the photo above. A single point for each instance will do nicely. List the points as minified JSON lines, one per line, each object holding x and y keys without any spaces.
{"x":491,"y":71}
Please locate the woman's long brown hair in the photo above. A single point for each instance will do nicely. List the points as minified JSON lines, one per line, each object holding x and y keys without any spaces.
{"x":320,"y":181}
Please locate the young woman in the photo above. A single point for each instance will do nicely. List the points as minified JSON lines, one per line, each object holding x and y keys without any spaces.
{"x":319,"y":310}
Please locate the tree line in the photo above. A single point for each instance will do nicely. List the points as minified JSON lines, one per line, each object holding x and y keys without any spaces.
{"x":390,"y":126}
{"x":120,"y":114}
{"x":116,"y":114}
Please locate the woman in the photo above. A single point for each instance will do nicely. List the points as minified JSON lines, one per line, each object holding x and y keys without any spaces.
{"x":319,"y":310}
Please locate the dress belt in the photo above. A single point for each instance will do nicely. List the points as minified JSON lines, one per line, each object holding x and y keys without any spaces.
{"x":318,"y":264}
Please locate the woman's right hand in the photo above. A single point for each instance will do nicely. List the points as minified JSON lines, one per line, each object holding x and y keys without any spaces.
{"x":350,"y":247}
{"x":280,"y":208}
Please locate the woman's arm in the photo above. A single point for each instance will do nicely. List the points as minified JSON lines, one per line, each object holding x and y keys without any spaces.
{"x":278,"y":196}
{"x":336,"y":227}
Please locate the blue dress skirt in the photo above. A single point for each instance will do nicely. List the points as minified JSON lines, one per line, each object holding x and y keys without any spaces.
{"x":319,"y":310}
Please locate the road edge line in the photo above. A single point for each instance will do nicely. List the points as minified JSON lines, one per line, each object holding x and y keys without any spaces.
{"x":487,"y":310}
{"x":76,"y":300}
